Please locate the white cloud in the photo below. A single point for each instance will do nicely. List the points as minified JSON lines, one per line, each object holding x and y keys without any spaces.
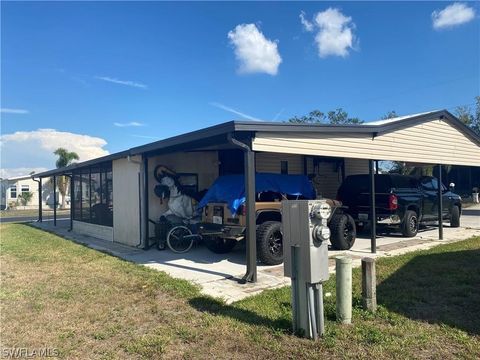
{"x":307,"y":25}
{"x":146,"y":137}
{"x":234,"y":111}
{"x":254,"y":51}
{"x":452,"y":15}
{"x":122,"y":82}
{"x":129,"y":124}
{"x":335,"y":36}
{"x":28,"y":150}
{"x":13,"y":111}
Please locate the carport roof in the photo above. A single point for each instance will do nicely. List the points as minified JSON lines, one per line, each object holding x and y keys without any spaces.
{"x":223,"y":129}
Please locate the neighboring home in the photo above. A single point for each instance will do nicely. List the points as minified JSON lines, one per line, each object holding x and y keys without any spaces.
{"x":13,"y":187}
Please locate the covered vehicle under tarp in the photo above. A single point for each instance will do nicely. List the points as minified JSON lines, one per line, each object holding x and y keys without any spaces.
{"x":230,"y":189}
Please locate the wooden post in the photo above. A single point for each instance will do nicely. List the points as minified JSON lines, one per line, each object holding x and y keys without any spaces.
{"x":369,"y":284}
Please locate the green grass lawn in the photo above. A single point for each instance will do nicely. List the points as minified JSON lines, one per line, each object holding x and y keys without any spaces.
{"x":58,"y":294}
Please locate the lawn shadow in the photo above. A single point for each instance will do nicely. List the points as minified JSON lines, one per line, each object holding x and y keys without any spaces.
{"x":441,"y":288}
{"x":217,"y":307}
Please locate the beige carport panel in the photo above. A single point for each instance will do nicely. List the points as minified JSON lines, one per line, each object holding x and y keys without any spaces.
{"x":431,"y":142}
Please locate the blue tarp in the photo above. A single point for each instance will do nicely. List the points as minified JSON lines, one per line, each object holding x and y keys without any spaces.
{"x":230,"y":189}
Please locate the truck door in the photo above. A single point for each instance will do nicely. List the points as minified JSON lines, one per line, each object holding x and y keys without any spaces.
{"x":429,"y":192}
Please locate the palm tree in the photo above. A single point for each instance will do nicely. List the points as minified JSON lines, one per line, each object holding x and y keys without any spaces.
{"x":65,"y":158}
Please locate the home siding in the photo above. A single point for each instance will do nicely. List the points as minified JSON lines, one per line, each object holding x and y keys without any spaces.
{"x":270,"y":162}
{"x":202,"y":163}
{"x":126,"y":201}
{"x":97,"y":231}
{"x":431,"y":142}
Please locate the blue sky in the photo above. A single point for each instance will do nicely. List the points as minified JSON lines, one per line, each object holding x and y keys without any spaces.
{"x":160,"y":69}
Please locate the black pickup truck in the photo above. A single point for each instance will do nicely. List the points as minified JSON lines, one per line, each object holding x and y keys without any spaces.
{"x":402,"y":202}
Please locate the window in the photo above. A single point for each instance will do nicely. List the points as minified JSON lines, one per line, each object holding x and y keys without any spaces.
{"x":13,"y":191}
{"x":25,"y":189}
{"x":93,"y":194}
{"x":283,"y":167}
{"x":429,"y":183}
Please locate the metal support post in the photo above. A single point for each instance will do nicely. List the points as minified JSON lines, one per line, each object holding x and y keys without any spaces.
{"x":440,"y":204}
{"x":71,"y":202}
{"x":373,"y":213}
{"x":54,"y":200}
{"x":251,"y":274}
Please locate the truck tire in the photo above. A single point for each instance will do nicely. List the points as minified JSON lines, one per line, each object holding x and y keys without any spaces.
{"x":219,"y":245}
{"x":410,"y":224}
{"x":455,"y":217}
{"x":270,"y":243}
{"x":342,"y":231}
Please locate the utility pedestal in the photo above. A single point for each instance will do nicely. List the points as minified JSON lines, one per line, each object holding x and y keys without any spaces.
{"x":305,"y":239}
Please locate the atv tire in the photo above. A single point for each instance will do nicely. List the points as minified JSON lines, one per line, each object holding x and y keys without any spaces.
{"x":270,"y":243}
{"x":342,"y":231}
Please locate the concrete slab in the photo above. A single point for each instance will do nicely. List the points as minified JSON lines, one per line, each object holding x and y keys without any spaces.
{"x":220,"y":275}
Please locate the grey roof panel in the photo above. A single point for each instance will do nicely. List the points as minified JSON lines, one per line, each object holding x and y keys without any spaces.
{"x":257,"y":126}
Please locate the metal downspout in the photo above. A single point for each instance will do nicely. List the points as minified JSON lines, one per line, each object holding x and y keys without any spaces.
{"x":251,"y":253}
{"x":146,"y":209}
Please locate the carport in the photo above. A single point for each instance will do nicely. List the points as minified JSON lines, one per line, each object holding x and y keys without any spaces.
{"x":430,"y":138}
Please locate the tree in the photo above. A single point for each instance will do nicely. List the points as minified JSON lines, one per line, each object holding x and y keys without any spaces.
{"x":340,"y":117}
{"x":25,"y":197}
{"x":337,"y":117}
{"x":65,"y":158}
{"x":313,"y":117}
{"x":469,"y":118}
{"x":399,"y":167}
{"x":390,"y":115}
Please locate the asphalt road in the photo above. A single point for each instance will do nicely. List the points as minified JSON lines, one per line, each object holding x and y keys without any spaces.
{"x":24,"y":219}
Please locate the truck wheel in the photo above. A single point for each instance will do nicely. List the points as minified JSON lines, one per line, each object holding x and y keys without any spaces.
{"x":455,"y":217}
{"x":219,"y":245}
{"x":270,"y":243}
{"x":410,"y":224}
{"x":342,"y":231}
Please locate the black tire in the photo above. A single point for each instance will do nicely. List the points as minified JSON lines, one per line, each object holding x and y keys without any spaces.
{"x":270,"y":243}
{"x":219,"y":245}
{"x":455,"y":217}
{"x":410,"y":224}
{"x":342,"y":231}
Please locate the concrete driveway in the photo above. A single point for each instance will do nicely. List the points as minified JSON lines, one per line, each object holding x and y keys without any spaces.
{"x":220,"y":275}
